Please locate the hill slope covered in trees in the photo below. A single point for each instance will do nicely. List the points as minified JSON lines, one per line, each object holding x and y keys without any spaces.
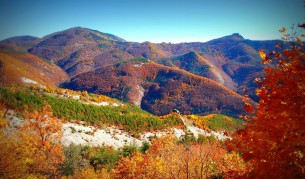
{"x":231,"y":61}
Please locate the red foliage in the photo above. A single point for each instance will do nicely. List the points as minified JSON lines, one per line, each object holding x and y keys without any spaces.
{"x":273,"y":142}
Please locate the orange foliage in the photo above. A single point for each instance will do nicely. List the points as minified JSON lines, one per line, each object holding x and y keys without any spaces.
{"x":43,"y":133}
{"x":273,"y":142}
{"x":168,"y":159}
{"x":13,"y":157}
{"x":33,"y":150}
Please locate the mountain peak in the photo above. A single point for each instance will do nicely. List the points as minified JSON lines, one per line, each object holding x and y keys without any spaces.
{"x":82,"y":32}
{"x":192,"y":54}
{"x":236,"y":36}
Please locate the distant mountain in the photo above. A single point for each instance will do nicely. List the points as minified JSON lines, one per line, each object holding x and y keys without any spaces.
{"x":68,"y":48}
{"x":22,"y":42}
{"x":107,"y":64}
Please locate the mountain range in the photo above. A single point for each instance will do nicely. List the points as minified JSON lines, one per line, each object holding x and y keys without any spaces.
{"x":195,"y":78}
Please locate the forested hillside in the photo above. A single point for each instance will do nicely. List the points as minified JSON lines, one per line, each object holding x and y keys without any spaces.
{"x":161,"y":89}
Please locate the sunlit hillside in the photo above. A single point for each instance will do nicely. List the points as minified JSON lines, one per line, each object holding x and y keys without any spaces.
{"x":20,"y":67}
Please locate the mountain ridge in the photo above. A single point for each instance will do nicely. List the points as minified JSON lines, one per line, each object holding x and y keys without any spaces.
{"x":229,"y":61}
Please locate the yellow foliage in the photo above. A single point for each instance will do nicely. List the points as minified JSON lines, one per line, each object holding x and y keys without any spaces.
{"x":89,"y":173}
{"x":13,"y":160}
{"x":194,"y":117}
{"x":3,"y":122}
{"x":234,"y":161}
{"x":262,"y":54}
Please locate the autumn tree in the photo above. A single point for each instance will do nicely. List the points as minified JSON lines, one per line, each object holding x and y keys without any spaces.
{"x":31,"y":149}
{"x":13,"y":157}
{"x":273,"y":141}
{"x":42,"y":132}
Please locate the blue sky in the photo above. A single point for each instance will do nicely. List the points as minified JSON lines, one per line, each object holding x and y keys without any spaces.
{"x":152,"y":20}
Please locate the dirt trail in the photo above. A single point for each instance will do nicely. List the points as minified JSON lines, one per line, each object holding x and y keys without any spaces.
{"x":197,"y":131}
